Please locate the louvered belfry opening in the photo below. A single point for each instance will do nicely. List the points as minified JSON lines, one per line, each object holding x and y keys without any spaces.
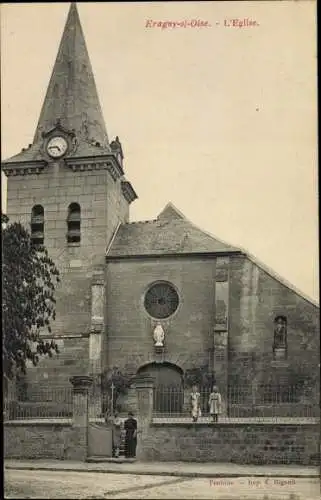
{"x":37,"y":225}
{"x":73,"y":223}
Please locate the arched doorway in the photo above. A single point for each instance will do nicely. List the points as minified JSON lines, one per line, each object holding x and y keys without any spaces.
{"x":168,"y":387}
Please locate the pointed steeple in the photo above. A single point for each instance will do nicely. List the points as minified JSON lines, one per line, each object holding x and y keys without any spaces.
{"x":72,"y":97}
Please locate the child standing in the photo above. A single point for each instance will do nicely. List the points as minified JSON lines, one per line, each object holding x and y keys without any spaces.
{"x":215,"y":403}
{"x":117,"y":427}
{"x":195,"y":403}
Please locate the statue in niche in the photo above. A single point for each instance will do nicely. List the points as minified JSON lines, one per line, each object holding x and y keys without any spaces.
{"x":280,"y":340}
{"x":159,"y":336}
{"x":280,"y":332}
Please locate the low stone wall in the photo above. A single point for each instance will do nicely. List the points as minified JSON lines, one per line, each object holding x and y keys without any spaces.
{"x":52,"y":439}
{"x":281,"y":410}
{"x":239,"y":443}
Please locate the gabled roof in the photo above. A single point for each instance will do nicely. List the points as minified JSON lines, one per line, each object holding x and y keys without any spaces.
{"x":171,"y":233}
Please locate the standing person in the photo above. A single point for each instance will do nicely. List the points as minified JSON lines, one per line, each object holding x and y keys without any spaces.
{"x":117,"y":425}
{"x":131,"y":436}
{"x":195,"y":403}
{"x":215,"y":403}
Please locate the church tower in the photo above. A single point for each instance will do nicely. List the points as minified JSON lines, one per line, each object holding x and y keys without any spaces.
{"x":68,"y":188}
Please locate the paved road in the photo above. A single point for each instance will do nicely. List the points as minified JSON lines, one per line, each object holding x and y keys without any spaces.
{"x":94,"y":485}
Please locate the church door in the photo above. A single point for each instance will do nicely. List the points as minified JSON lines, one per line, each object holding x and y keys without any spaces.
{"x":168,"y":387}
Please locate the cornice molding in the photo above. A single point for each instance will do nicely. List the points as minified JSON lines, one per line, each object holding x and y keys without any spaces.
{"x":128,"y":191}
{"x":23,"y":168}
{"x":106,"y":162}
{"x":189,"y":255}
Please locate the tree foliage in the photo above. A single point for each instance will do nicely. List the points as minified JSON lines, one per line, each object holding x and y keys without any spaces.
{"x":29,"y":279}
{"x":4,"y":219}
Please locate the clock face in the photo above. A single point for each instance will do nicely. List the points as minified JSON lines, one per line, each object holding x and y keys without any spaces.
{"x":57,"y":147}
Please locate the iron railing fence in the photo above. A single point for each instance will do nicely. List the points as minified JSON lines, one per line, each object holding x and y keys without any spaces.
{"x":56,"y":402}
{"x":169,"y":401}
{"x":51,"y":402}
{"x":96,"y":402}
{"x":239,"y":402}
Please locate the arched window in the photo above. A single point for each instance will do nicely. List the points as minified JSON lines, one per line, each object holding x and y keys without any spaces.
{"x":280,"y":337}
{"x":73,"y":223}
{"x":37,"y":225}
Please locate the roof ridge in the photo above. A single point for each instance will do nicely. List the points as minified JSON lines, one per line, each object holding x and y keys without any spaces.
{"x":267,"y":269}
{"x":215,"y":237}
{"x":139,"y":222}
{"x":185,"y":219}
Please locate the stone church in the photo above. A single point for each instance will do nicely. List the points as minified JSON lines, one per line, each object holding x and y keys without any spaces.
{"x":161,"y":296}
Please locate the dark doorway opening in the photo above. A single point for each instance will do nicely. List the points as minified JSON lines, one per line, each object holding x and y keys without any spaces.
{"x":168,"y":387}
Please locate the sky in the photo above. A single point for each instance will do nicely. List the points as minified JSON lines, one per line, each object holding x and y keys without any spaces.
{"x":221,"y":120}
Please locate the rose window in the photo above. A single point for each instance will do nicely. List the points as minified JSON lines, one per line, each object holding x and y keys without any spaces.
{"x":161,"y":300}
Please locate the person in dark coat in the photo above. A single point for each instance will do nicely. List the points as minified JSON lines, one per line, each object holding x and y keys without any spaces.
{"x":130,"y":427}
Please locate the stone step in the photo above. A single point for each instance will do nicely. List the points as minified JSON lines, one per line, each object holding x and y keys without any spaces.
{"x":110,"y":460}
{"x":122,"y":447}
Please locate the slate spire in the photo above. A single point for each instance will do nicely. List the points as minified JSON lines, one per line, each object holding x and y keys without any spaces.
{"x":72,"y":97}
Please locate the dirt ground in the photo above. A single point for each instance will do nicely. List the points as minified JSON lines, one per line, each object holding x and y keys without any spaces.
{"x":94,"y":485}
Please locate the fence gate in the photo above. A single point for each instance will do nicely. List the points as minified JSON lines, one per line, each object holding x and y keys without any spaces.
{"x":99,"y":433}
{"x":99,"y":440}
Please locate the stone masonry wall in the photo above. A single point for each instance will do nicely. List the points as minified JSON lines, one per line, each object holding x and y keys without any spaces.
{"x":102,"y":208}
{"x":38,"y":440}
{"x":55,"y":372}
{"x":238,"y":443}
{"x":256,"y":298}
{"x":129,"y":340}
